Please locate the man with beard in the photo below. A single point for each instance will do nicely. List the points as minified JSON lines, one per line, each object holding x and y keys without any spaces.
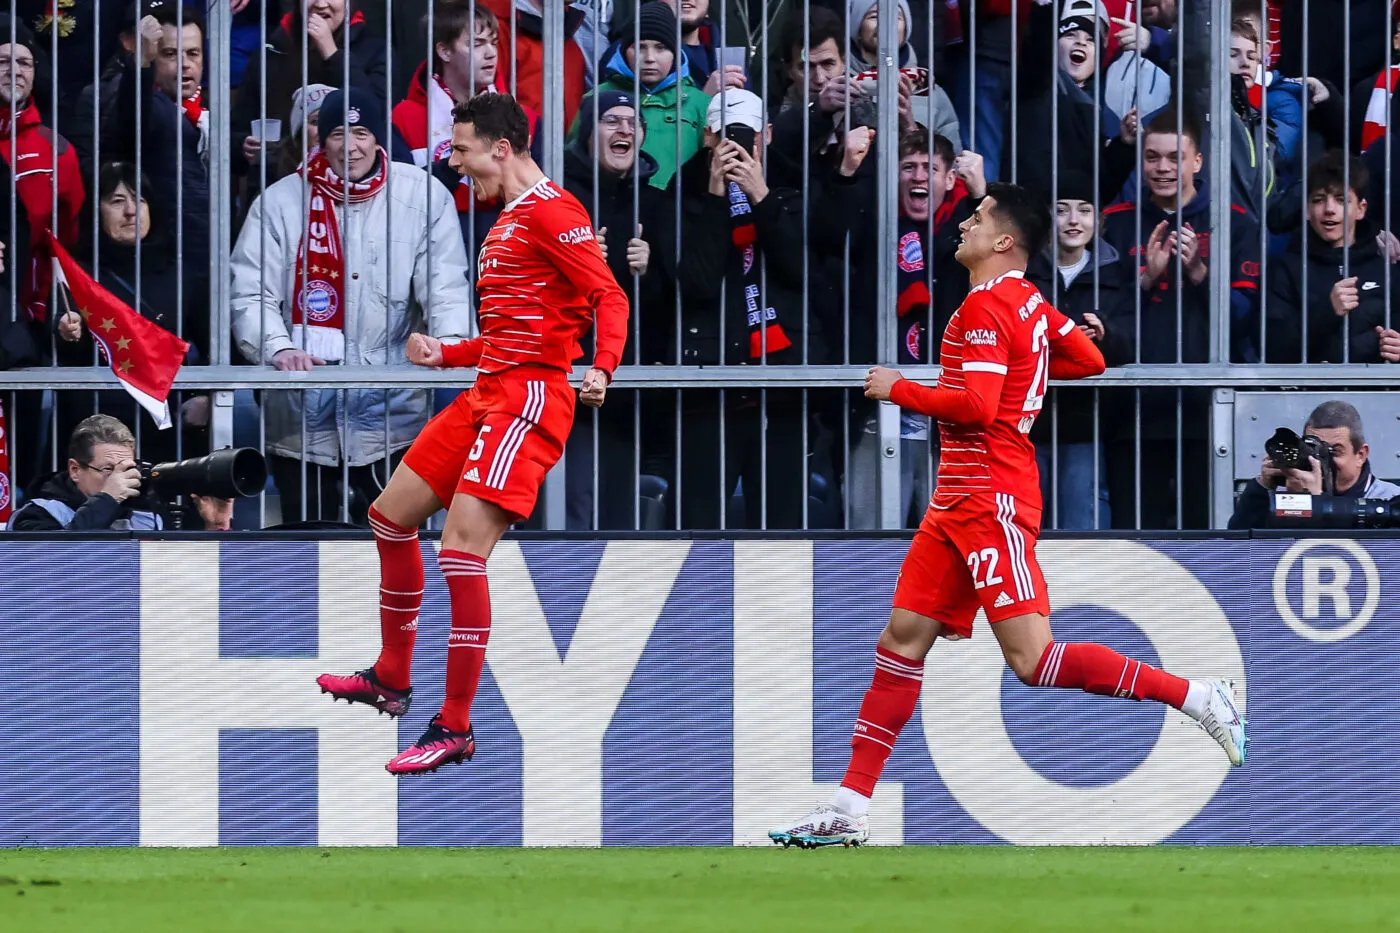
{"x":936,"y":194}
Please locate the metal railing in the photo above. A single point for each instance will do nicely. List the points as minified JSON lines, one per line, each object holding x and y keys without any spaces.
{"x":807,"y":399}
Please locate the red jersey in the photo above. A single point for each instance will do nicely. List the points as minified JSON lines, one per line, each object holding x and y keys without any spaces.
{"x":541,"y":276}
{"x":1004,"y":327}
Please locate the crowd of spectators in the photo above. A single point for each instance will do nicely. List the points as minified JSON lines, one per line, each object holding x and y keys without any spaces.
{"x":727,"y":150}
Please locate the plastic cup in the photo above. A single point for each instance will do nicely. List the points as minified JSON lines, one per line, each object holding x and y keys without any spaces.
{"x":267,"y":131}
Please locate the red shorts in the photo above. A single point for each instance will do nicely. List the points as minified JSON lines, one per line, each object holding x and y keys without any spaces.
{"x":497,"y":440}
{"x":979,"y":553}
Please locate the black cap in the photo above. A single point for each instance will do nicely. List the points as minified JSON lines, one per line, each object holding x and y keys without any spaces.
{"x":1075,"y":185}
{"x":657,"y":22}
{"x":357,"y":108}
{"x":606,"y":101}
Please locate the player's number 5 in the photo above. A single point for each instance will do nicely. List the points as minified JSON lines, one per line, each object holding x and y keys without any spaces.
{"x":480,"y":445}
{"x":975,"y":560}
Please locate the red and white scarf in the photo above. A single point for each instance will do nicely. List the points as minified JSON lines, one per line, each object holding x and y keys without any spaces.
{"x":199,"y":116}
{"x":318,"y":308}
{"x":1378,"y":108}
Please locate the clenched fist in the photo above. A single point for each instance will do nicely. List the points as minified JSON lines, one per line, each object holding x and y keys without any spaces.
{"x":424,"y":350}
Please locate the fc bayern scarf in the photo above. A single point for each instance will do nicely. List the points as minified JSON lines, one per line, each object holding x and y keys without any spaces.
{"x":1378,"y":107}
{"x":765,"y":333}
{"x":319,"y":304}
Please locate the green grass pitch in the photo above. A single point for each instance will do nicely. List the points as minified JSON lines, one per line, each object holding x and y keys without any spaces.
{"x":1080,"y":890}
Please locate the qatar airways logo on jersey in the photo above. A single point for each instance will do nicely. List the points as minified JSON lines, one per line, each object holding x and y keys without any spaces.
{"x":981,"y":337}
{"x":1029,"y":308}
{"x":576,"y":236}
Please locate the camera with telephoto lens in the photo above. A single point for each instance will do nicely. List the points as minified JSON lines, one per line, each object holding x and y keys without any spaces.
{"x":1289,"y":451}
{"x":1300,"y":510}
{"x":232,"y":473}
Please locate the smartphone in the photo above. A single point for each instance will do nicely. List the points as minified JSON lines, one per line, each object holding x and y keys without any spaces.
{"x":741,"y":134}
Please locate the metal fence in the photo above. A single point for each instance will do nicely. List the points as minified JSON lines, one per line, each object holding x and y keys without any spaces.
{"x":738,"y":402}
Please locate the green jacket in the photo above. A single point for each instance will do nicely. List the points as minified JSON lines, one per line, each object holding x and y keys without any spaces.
{"x":658,"y":109}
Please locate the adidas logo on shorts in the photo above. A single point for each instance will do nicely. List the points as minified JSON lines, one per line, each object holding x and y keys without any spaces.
{"x":472,"y":476}
{"x":1002,"y":600}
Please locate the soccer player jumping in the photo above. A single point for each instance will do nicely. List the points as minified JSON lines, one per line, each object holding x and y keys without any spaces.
{"x":541,"y":280}
{"x":976,"y":545}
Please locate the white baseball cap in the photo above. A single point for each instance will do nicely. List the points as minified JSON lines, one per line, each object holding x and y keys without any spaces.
{"x":740,"y":106}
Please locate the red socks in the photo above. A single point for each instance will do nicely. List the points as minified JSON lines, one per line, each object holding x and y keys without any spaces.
{"x":471,"y":626}
{"x":887,"y":707}
{"x":1096,"y":669}
{"x":400,"y":597}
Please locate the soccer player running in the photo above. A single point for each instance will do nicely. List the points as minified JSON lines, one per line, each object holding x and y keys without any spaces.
{"x":541,"y":280}
{"x":975,"y":546}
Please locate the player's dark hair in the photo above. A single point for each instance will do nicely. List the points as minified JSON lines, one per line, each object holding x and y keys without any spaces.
{"x":1329,"y":175}
{"x":497,"y":116}
{"x":1165,"y":123}
{"x":94,"y":430}
{"x":1338,"y":414}
{"x":1025,"y":212}
{"x":824,"y":25}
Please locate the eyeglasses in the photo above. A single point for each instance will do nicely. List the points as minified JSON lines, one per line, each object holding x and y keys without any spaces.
{"x":103,"y":471}
{"x":614,"y":121}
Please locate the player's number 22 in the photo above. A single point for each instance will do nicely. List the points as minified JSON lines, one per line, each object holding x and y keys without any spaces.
{"x":975,"y":560}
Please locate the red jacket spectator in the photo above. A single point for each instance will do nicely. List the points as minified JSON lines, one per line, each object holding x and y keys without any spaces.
{"x":42,"y":158}
{"x":524,"y":30}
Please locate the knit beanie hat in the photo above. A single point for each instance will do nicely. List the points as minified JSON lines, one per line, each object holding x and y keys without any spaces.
{"x":657,"y":22}
{"x":606,"y":101}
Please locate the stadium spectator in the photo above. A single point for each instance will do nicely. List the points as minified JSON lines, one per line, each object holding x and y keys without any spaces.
{"x":311,"y":44}
{"x":653,"y":70}
{"x":173,"y":293}
{"x":522,"y":70}
{"x":607,"y":170}
{"x":743,"y":259}
{"x":1348,"y":277}
{"x":465,"y":60}
{"x":863,"y":19}
{"x":812,"y":60}
{"x":95,"y":101}
{"x":700,"y":43}
{"x":1172,"y":214}
{"x":173,"y":133}
{"x":1079,"y":125}
{"x":931,"y":283}
{"x":1087,"y":285}
{"x":45,"y":169}
{"x":1370,"y":98}
{"x":1337,"y":424}
{"x":297,"y":313}
{"x":99,"y":489}
{"x":86,"y":35}
{"x":982,"y":109}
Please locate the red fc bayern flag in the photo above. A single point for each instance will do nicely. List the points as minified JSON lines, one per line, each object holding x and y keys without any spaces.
{"x":144,"y":356}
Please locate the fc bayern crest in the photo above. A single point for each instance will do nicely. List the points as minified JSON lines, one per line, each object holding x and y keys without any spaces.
{"x":319,"y":302}
{"x":911,"y":253}
{"x":4,"y":491}
{"x":443,"y":148}
{"x":913,"y":340}
{"x":748,"y":259}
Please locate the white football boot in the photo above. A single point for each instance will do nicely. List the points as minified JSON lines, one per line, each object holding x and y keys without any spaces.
{"x":1223,"y":722}
{"x":824,"y":826}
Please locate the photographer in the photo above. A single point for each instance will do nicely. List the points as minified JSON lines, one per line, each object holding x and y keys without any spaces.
{"x":101,"y":489}
{"x":1337,"y":425}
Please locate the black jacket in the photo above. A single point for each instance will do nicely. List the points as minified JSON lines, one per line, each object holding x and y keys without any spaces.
{"x":1287,"y":302}
{"x":1252,"y":506}
{"x":1075,"y":407}
{"x":1037,"y":118}
{"x":169,"y":145}
{"x":1158,"y":339}
{"x":91,"y":513}
{"x":712,"y":277}
{"x":651,"y":301}
{"x":22,"y":342}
